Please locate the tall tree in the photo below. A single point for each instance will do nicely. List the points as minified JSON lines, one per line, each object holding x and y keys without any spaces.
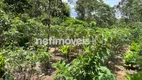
{"x":104,"y":15}
{"x":95,"y":10}
{"x":84,"y":8}
{"x":131,"y":10}
{"x":51,"y":6}
{"x":18,"y":6}
{"x":36,"y":8}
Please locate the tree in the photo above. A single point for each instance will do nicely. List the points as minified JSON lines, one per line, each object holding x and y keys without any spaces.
{"x":51,"y":5}
{"x":84,"y":8}
{"x":131,"y":10}
{"x":104,"y":15}
{"x":18,"y":6}
{"x":61,"y":11}
{"x":95,"y":10}
{"x":38,"y":9}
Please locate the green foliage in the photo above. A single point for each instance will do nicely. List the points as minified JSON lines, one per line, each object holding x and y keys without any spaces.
{"x":137,"y":76}
{"x":21,"y":23}
{"x":16,"y":31}
{"x":87,"y":66}
{"x":104,"y":45}
{"x":133,"y":57}
{"x":106,"y":74}
{"x":70,"y":30}
{"x":63,"y":71}
{"x":115,"y":37}
{"x":4,"y":21}
{"x":136,"y":31}
{"x":72,"y":21}
{"x":62,"y":11}
{"x":44,"y":57}
{"x":2,"y":65}
{"x":66,"y":49}
{"x":135,"y":47}
{"x":36,"y":8}
{"x":95,"y":10}
{"x":17,"y":6}
{"x":56,"y":21}
{"x":93,"y":24}
{"x":131,"y":10}
{"x":18,"y":56}
{"x":82,"y":5}
{"x":20,"y":60}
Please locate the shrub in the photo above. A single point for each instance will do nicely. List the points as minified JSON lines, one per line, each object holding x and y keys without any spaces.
{"x":137,"y":76}
{"x":87,"y":66}
{"x":136,"y":31}
{"x":92,"y":24}
{"x":2,"y":65}
{"x":44,"y":57}
{"x":72,"y":21}
{"x":57,"y":21}
{"x":19,"y":60}
{"x":133,"y":57}
{"x":18,"y":32}
{"x":66,"y":50}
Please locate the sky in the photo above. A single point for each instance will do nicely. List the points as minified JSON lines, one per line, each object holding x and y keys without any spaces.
{"x":109,"y":2}
{"x":112,"y":2}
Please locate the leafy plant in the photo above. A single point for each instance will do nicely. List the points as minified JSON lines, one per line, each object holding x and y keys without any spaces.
{"x":44,"y":57}
{"x":72,"y":21}
{"x":106,"y":74}
{"x":2,"y":65}
{"x":131,"y":58}
{"x":66,"y":49}
{"x":136,"y":31}
{"x":19,"y":60}
{"x":64,"y":71}
{"x":92,"y":24}
{"x":135,"y":47}
{"x":86,"y":66}
{"x":137,"y":76}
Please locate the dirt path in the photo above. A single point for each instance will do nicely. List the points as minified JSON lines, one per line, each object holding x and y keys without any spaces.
{"x":117,"y":64}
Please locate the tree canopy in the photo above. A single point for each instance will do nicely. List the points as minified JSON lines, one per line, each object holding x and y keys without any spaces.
{"x":131,"y":10}
{"x":95,"y":10}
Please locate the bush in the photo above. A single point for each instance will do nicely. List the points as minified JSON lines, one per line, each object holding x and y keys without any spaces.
{"x":83,"y":68}
{"x":15,"y":31}
{"x":2,"y":65}
{"x":92,"y":24}
{"x":87,"y":66}
{"x":133,"y":57}
{"x":137,"y":31}
{"x":56,"y":21}
{"x":66,"y":50}
{"x":72,"y":21}
{"x":44,"y":57}
{"x":137,"y":76}
{"x":20,"y":60}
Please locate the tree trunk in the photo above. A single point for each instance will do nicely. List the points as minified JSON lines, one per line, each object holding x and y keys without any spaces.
{"x":49,"y":13}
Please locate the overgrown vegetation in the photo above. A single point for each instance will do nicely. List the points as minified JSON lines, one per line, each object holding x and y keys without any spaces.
{"x":24,"y":21}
